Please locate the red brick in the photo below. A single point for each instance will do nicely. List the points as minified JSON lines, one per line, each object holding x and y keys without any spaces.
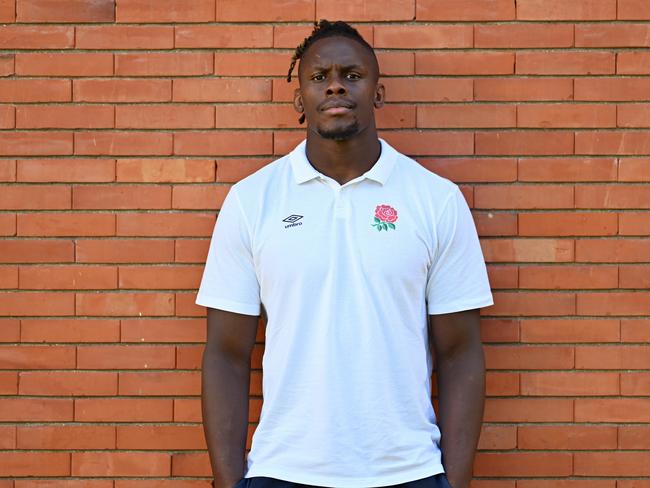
{"x":191,"y":464}
{"x":36,"y":410}
{"x":428,"y":90}
{"x":160,"y":383}
{"x":168,"y":437}
{"x":7,"y":224}
{"x":464,"y":63}
{"x":501,"y":384}
{"x":9,"y":277}
{"x":523,"y":196}
{"x":187,"y":410}
{"x":495,"y":224}
{"x":121,"y":197}
{"x":159,"y":483}
{"x":36,"y":37}
{"x":570,"y":437}
{"x":528,"y":357}
{"x":68,"y":277}
{"x":231,"y":170}
{"x":423,"y":36}
{"x":636,"y":276}
{"x":612,"y":89}
{"x":562,"y":115}
{"x":523,"y":464}
{"x":613,"y":250}
{"x":463,"y":116}
{"x":8,"y":386}
{"x":222,"y":90}
{"x":222,"y":143}
{"x":366,"y":10}
{"x":37,"y":357}
{"x":472,"y":169}
{"x":66,"y":436}
{"x":7,"y":170}
{"x":567,"y":330}
{"x":186,"y":307}
{"x":560,"y":10}
{"x":568,"y":224}
{"x":612,"y":464}
{"x":531,"y":303}
{"x":131,"y":304}
{"x":251,"y":63}
{"x":234,"y":116}
{"x":64,"y":117}
{"x":164,"y":64}
{"x":612,"y":410}
{"x":396,"y":116}
{"x":165,"y":224}
{"x":65,"y":11}
{"x":199,"y":197}
{"x":36,"y":251}
{"x":124,"y":251}
{"x":524,"y":143}
{"x":528,"y":250}
{"x":164,"y":117}
{"x":165,"y":170}
{"x":7,"y":14}
{"x":635,"y":330}
{"x":523,"y":89}
{"x":34,"y":90}
{"x":565,"y":63}
{"x":125,"y":37}
{"x":123,"y":143}
{"x":69,"y":330}
{"x":633,"y":115}
{"x":120,"y":464}
{"x":64,"y":64}
{"x":36,"y":304}
{"x":634,"y":223}
{"x":614,"y":303}
{"x":163,"y":330}
{"x":66,"y":224}
{"x":191,"y":250}
{"x":35,"y":143}
{"x":635,"y":384}
{"x":431,"y":143}
{"x":633,"y":169}
{"x":611,"y":142}
{"x":123,"y":410}
{"x":528,"y":410}
{"x":444,"y":10}
{"x":142,"y":11}
{"x":568,"y":277}
{"x":250,"y":11}
{"x":160,"y":277}
{"x":7,"y":117}
{"x":121,"y":90}
{"x":634,"y":437}
{"x":632,"y":63}
{"x":68,"y":383}
{"x":567,"y":169}
{"x":633,"y":10}
{"x":524,"y":35}
{"x":224,"y":36}
{"x":612,"y":35}
{"x":66,"y":170}
{"x":569,"y":384}
{"x":612,"y":196}
{"x":125,"y":357}
{"x":613,"y":357}
{"x":8,"y":439}
{"x":34,"y":463}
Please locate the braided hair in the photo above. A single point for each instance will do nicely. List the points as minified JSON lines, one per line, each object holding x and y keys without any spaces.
{"x":322,"y":29}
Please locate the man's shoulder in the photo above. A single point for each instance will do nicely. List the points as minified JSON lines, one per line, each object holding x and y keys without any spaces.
{"x":426,"y":181}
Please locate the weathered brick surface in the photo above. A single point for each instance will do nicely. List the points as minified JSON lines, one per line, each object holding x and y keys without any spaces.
{"x":121,"y":129}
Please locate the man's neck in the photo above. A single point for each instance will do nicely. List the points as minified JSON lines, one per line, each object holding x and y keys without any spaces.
{"x":343,"y":160}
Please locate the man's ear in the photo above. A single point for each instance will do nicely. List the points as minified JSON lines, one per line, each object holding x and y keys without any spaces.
{"x":380,"y":96}
{"x":297,"y":101}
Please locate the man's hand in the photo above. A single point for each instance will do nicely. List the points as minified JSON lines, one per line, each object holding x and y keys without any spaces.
{"x":460,"y":368}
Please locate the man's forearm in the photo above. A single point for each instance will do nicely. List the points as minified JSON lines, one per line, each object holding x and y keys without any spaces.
{"x":224,"y":399}
{"x":461,"y":397}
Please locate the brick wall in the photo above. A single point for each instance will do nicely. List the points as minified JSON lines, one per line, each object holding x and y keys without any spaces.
{"x":124,"y":122}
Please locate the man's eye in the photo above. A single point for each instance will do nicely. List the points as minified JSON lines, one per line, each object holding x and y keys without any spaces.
{"x":318,"y":77}
{"x":353,"y":76}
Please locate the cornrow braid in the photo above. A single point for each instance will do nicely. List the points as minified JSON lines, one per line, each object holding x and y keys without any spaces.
{"x":322,"y":29}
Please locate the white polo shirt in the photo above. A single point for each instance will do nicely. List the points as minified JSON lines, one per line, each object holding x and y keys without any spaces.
{"x":347,"y":275}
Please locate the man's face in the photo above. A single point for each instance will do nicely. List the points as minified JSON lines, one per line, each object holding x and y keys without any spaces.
{"x":338,"y":88}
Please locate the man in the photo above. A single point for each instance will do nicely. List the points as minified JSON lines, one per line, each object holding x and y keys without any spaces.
{"x":362,"y":261}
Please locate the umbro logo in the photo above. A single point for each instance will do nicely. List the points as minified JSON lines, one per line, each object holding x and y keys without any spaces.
{"x":292,"y":221}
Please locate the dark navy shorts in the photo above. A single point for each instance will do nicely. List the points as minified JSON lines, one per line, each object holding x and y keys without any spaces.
{"x":435,"y":481}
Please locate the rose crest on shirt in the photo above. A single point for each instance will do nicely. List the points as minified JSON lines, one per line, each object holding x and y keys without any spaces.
{"x":385,"y":217}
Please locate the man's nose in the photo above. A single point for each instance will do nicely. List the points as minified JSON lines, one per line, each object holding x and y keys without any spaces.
{"x":336,"y":87}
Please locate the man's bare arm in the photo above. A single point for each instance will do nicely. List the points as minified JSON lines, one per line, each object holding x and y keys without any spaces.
{"x":224,"y":397}
{"x":460,"y":367}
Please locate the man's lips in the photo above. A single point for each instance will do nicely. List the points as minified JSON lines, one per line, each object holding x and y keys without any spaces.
{"x":336,"y":107}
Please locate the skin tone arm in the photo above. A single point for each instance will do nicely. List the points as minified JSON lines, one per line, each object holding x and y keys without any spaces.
{"x":460,"y":367}
{"x":224,"y":398}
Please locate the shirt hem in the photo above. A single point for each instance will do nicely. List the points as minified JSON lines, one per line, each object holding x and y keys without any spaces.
{"x":287,"y":475}
{"x":459,"y":306}
{"x":227,"y":305}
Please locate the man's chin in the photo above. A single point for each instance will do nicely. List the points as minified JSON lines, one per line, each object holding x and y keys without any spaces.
{"x":338,"y":133}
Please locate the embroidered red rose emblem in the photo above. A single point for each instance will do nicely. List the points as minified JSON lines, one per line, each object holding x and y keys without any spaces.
{"x":385,"y":216}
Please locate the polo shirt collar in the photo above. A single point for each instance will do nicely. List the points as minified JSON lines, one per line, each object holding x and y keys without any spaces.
{"x":303,"y":171}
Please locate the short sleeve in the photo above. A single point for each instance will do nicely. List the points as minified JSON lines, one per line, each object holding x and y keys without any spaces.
{"x":229,"y":280}
{"x":457,"y":278}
